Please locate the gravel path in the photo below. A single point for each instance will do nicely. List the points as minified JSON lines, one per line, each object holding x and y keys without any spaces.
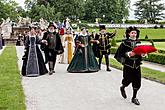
{"x":87,"y":91}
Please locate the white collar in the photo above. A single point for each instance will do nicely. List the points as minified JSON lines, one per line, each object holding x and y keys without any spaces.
{"x":83,"y":34}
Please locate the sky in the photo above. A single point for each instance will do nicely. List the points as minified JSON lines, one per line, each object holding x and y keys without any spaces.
{"x":132,"y":17}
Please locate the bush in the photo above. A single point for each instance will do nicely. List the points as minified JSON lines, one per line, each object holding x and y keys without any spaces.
{"x":131,"y":21}
{"x":161,"y":51}
{"x":146,"y":37}
{"x":113,"y":42}
{"x":156,"y":57}
{"x":113,"y":50}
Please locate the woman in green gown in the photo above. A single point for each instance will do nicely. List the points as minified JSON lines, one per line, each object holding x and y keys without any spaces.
{"x":84,"y":59}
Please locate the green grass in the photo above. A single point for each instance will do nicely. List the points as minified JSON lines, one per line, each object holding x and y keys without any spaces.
{"x":11,"y":91}
{"x":151,"y":33}
{"x":160,"y":45}
{"x":146,"y":72}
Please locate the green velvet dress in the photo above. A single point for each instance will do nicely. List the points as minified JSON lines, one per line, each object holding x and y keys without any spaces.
{"x":84,"y":59}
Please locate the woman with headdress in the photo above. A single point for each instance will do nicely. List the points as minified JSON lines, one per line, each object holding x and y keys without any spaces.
{"x":131,"y":63}
{"x":33,"y":63}
{"x":68,"y":44}
{"x":84,"y":59}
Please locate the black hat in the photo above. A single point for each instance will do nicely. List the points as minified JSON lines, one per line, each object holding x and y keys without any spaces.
{"x":83,"y":28}
{"x":102,"y":27}
{"x":32,"y":27}
{"x":129,"y":29}
{"x":52,"y":24}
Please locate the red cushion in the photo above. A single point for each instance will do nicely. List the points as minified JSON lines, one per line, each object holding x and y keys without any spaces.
{"x":144,"y":49}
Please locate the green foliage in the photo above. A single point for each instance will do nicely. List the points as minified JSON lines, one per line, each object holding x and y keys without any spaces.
{"x":11,"y":91}
{"x":114,"y":10}
{"x":131,"y":21}
{"x":113,"y":42}
{"x":9,"y":8}
{"x":55,"y":9}
{"x":150,"y":10}
{"x":156,"y":57}
{"x":161,"y":51}
{"x":146,"y":37}
{"x":87,"y":10}
{"x":113,"y":50}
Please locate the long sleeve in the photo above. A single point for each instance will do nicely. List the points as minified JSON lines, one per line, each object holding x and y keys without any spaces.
{"x":111,"y":35}
{"x":120,"y":54}
{"x":27,"y":42}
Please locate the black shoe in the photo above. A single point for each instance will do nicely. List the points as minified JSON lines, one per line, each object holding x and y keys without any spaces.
{"x":108,"y":69}
{"x":123,"y":92}
{"x":135,"y":101}
{"x":50,"y":72}
{"x":53,"y":71}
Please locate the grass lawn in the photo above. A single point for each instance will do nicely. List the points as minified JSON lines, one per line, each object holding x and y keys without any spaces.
{"x":160,"y":45}
{"x":151,"y":33}
{"x":11,"y":91}
{"x":146,"y":72}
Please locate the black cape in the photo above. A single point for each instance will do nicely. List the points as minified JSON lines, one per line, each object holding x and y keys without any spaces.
{"x":122,"y":57}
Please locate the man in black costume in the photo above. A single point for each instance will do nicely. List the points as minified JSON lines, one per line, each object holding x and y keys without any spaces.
{"x":104,"y":45}
{"x":52,"y":47}
{"x":131,"y":63}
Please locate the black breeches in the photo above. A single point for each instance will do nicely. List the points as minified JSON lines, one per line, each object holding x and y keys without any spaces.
{"x":106,"y":59}
{"x":51,"y":55}
{"x":132,"y":75}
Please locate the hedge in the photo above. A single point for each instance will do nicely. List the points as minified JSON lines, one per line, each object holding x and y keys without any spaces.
{"x":152,"y":57}
{"x":156,"y":57}
{"x":161,"y":51}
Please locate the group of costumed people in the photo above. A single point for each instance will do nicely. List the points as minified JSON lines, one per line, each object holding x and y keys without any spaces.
{"x":80,"y":52}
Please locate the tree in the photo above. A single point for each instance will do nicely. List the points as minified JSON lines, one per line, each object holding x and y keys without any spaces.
{"x":112,"y":9}
{"x":9,"y":8}
{"x":81,"y":9}
{"x":149,"y":9}
{"x":58,"y":9}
